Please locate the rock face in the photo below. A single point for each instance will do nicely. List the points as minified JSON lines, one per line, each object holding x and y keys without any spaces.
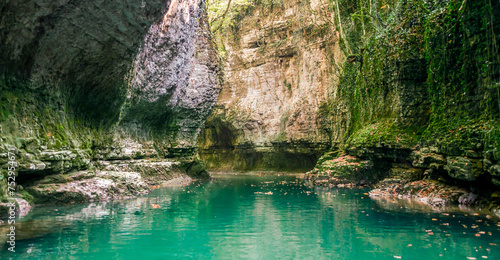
{"x":175,"y":81}
{"x":276,"y":76}
{"x":82,"y":50}
{"x":405,"y":100}
{"x":95,"y":96}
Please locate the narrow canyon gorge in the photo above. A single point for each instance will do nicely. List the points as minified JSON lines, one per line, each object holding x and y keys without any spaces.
{"x":105,"y":100}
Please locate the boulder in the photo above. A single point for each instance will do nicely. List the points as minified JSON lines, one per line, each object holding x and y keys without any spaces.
{"x":104,"y":186}
{"x":464,"y":168}
{"x":428,"y":160}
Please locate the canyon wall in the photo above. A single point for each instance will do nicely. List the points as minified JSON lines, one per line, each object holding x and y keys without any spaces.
{"x":277,"y":73}
{"x":95,"y":91}
{"x":396,"y":89}
{"x":418,"y":99}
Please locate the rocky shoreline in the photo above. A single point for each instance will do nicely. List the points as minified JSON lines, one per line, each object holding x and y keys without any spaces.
{"x":46,"y":176}
{"x":422,"y":175}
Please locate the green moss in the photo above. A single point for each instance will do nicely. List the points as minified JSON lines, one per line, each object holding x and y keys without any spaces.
{"x":8,"y":104}
{"x":287,"y":85}
{"x":458,"y":136}
{"x":441,"y":56}
{"x":27,"y":196}
{"x":386,"y":133}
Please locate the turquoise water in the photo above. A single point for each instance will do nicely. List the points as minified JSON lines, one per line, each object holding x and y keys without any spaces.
{"x":232,"y":217}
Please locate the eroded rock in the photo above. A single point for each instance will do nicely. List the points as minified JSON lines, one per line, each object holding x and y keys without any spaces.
{"x":428,"y":160}
{"x":342,"y":170}
{"x":105,"y":186}
{"x":429,"y":192}
{"x":463,"y":168}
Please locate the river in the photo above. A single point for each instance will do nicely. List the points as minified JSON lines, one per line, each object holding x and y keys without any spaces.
{"x":254,"y":217}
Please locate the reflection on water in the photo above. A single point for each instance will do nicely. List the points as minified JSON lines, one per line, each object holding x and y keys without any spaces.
{"x":255,"y":217}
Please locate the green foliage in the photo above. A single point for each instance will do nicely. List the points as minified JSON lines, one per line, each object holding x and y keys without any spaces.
{"x":450,"y":44}
{"x":288,"y":85}
{"x":464,"y":60}
{"x":386,"y":133}
{"x":225,"y":13}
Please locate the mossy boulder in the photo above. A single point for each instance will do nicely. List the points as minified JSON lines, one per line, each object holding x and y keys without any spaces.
{"x":195,"y":168}
{"x":495,"y":173}
{"x":344,"y":169}
{"x":428,"y":160}
{"x":464,"y":168}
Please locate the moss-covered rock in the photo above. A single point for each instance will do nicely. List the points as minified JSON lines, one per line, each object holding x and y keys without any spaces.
{"x":425,"y":159}
{"x":385,"y":134}
{"x":463,"y":168}
{"x":431,"y":192}
{"x":344,"y":169}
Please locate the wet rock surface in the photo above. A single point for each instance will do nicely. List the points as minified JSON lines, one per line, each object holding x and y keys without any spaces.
{"x":433,"y":193}
{"x":427,"y":175}
{"x":104,"y":186}
{"x":32,"y":229}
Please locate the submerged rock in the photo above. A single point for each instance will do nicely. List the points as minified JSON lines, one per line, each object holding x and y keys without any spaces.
{"x":32,"y":229}
{"x":20,"y":206}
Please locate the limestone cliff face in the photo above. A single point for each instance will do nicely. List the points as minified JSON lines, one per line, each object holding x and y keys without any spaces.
{"x":175,"y":79}
{"x":98,"y":88}
{"x":276,"y":76}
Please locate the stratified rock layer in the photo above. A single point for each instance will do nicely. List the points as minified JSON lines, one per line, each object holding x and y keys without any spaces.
{"x":276,"y":76}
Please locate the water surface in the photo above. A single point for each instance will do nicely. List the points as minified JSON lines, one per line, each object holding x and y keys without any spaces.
{"x":255,"y":217}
